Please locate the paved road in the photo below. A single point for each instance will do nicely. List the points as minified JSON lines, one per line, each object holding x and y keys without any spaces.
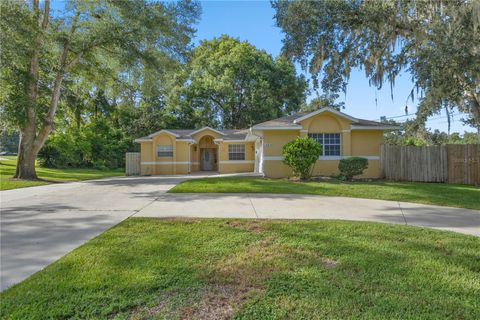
{"x":40,"y":224}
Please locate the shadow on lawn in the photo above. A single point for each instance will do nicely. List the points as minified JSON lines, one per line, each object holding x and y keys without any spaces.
{"x":275,"y":260}
{"x":170,"y":267}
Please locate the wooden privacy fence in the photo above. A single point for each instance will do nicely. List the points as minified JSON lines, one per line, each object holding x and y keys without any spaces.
{"x":464,"y":163}
{"x":450,"y":163}
{"x":132,"y":163}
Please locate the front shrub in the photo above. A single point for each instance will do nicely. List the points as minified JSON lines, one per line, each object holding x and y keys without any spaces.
{"x":300,"y":155}
{"x":351,"y":167}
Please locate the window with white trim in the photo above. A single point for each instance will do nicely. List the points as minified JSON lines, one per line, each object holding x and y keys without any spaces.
{"x":236,"y":152}
{"x":165,"y":151}
{"x":330,"y":142}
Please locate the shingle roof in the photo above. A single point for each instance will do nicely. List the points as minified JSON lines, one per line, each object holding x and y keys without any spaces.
{"x":229,"y":134}
{"x":283,"y":122}
{"x":289,"y":121}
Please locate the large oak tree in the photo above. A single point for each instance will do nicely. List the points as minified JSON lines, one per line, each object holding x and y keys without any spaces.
{"x":42,"y":47}
{"x":436,"y":41}
{"x":232,"y":84}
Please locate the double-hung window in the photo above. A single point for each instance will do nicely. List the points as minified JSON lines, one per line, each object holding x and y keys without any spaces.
{"x":165,"y":151}
{"x":236,"y":152}
{"x":330,"y":143}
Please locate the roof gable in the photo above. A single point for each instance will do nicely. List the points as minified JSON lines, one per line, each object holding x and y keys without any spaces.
{"x":207,"y":128}
{"x":163,"y":131}
{"x":325,"y":109}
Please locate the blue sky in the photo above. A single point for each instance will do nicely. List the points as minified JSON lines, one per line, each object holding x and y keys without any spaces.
{"x":253,"y":21}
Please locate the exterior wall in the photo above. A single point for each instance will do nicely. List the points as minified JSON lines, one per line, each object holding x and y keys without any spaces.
{"x":181,"y":156}
{"x":354,"y":143}
{"x":366,"y":142}
{"x":167,"y":167}
{"x":146,"y":155}
{"x":232,"y":166}
{"x":194,"y":158}
{"x":151,"y":164}
{"x":325,"y":122}
{"x":273,"y":142}
{"x":330,"y":123}
{"x":186,"y":156}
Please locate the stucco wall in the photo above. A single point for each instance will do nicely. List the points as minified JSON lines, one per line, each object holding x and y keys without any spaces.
{"x":231,"y":166}
{"x":366,"y":142}
{"x":186,"y":156}
{"x":353,"y":143}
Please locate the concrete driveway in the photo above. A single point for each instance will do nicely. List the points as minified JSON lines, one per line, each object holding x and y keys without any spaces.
{"x":299,"y":206}
{"x":40,"y":224}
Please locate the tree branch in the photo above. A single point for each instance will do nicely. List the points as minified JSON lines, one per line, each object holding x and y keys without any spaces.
{"x":47,"y":128}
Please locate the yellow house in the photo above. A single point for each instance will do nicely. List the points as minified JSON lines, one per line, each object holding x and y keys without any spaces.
{"x":259,"y":148}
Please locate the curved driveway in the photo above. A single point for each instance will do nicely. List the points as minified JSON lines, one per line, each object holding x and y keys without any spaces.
{"x":41,"y":224}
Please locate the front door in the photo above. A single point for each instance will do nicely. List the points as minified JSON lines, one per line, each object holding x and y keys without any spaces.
{"x":207,"y":159}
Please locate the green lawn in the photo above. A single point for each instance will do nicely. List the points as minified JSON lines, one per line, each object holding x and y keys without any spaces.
{"x":251,"y":269}
{"x":462,"y":196}
{"x":7,"y":170}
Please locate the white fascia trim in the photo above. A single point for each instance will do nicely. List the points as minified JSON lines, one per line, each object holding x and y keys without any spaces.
{"x":374,"y":127}
{"x":237,"y":161}
{"x":142,"y":140}
{"x":186,"y":140}
{"x":226,"y":141}
{"x":326,"y":109}
{"x":297,"y":127}
{"x":279,"y":158}
{"x":165,"y":162}
{"x":163,"y":131}
{"x":207,"y":128}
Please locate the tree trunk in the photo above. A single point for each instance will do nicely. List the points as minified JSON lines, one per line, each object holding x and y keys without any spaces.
{"x":27,"y":150}
{"x":26,"y":157}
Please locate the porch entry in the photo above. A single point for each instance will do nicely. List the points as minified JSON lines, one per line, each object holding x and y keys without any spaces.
{"x":208,"y":159}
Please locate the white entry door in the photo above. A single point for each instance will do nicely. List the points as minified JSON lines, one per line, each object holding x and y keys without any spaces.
{"x":207,"y":160}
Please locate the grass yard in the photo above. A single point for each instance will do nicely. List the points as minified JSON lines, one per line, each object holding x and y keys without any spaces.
{"x":7,"y":170}
{"x":250,"y":269}
{"x":441,"y":194}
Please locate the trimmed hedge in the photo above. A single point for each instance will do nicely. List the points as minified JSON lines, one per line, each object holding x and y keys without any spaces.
{"x":350,"y":167}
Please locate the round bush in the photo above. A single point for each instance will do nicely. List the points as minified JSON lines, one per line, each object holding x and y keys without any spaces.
{"x":300,"y":155}
{"x":350,"y":167}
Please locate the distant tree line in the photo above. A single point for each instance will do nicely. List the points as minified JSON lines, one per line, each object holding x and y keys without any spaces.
{"x":415,"y":134}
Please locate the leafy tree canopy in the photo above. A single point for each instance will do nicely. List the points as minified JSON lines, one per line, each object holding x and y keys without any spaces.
{"x":437,"y":42}
{"x":322,"y":101}
{"x":108,"y":50}
{"x":232,"y":84}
